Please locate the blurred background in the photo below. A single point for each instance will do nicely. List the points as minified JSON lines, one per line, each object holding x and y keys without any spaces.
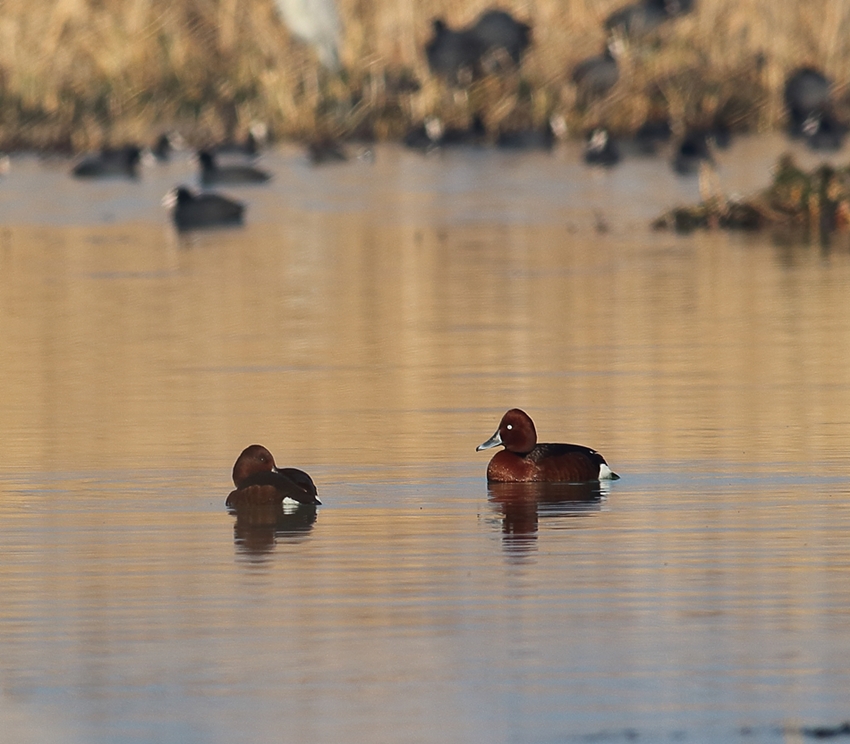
{"x":80,"y":73}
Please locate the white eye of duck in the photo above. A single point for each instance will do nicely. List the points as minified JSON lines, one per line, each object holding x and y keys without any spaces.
{"x":509,"y":427}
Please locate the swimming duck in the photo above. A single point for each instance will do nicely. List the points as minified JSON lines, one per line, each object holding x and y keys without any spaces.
{"x":524,"y":460}
{"x":259,"y":481}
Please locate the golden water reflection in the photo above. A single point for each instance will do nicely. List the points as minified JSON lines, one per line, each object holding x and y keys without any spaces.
{"x":385,"y":344}
{"x":258,"y":527}
{"x":376,"y":347}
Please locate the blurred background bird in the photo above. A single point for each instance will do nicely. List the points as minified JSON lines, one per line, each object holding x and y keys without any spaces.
{"x":317,"y":24}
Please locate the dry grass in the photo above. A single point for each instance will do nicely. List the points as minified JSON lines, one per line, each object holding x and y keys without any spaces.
{"x":79,"y":73}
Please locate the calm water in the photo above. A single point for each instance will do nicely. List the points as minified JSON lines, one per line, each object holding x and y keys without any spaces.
{"x":370,"y":324}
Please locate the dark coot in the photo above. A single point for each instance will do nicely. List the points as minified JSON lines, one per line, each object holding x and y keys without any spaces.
{"x":250,"y":146}
{"x":194,"y":211}
{"x":807,"y":96}
{"x":231,"y":174}
{"x":453,"y":55}
{"x":533,"y":138}
{"x":651,"y":135}
{"x":601,"y":149}
{"x":474,"y":133}
{"x":596,"y":75}
{"x":163,"y":148}
{"x":425,"y":136}
{"x":326,"y":150}
{"x":638,"y":18}
{"x":693,"y":150}
{"x":433,"y":134}
{"x":540,"y":138}
{"x":498,"y":31}
{"x":119,"y":162}
{"x":824,"y":132}
{"x":645,"y":17}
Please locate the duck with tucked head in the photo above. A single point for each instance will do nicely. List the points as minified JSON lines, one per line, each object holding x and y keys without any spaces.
{"x":524,"y":460}
{"x":259,"y":481}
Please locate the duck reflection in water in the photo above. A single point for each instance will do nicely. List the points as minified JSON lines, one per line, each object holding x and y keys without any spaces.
{"x":522,"y":505}
{"x":259,"y":527}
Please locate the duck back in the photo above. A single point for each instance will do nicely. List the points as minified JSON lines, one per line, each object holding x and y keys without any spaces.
{"x":554,"y":463}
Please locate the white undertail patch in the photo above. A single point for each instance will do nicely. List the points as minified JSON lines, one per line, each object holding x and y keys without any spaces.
{"x":290,"y":506}
{"x":605,"y":473}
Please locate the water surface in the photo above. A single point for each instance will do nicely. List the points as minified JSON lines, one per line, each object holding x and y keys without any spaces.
{"x":370,"y":324}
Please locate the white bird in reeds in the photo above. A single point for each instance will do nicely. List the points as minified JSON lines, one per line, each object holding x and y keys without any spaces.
{"x":315,"y":22}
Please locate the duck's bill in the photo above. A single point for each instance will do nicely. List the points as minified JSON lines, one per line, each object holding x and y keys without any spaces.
{"x":493,"y":441}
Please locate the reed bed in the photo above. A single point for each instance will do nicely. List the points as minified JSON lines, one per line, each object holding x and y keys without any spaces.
{"x":797,"y":205}
{"x":77,"y":74}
